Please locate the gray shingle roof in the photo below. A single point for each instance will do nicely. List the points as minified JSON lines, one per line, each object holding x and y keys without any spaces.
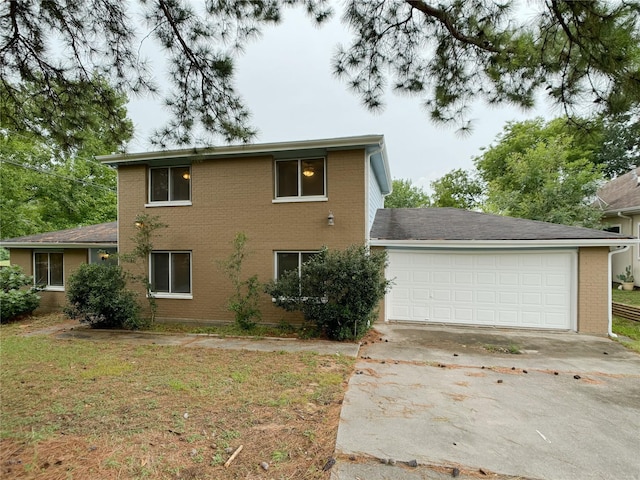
{"x":102,"y":233}
{"x":621,"y":193}
{"x":456,"y":224}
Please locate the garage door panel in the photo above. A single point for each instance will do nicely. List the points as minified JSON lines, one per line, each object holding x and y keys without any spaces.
{"x":519,"y":289}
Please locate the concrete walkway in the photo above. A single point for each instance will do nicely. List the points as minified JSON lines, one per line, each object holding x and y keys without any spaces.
{"x":566,"y":407}
{"x":260,"y":344}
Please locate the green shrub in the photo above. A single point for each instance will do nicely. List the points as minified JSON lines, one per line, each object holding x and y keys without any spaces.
{"x":15,"y":299}
{"x":97,"y":295}
{"x":338,"y":291}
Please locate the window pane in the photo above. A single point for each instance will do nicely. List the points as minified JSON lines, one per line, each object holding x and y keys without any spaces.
{"x":42,"y":269}
{"x":160,"y":272}
{"x":287,"y":178}
{"x":159,"y":184}
{"x":180,"y":273}
{"x":286,"y":262}
{"x":312,"y":177}
{"x":180,"y":181}
{"x":55,"y":269}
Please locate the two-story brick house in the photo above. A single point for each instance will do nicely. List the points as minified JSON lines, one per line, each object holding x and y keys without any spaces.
{"x":290,"y":199}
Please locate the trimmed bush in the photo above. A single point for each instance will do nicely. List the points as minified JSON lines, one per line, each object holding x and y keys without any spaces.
{"x":18,"y":295}
{"x":97,"y":295}
{"x":338,"y":291}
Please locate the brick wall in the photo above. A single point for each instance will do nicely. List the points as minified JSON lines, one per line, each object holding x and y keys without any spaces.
{"x":235,"y":195}
{"x":593,"y":287}
{"x":50,"y":300}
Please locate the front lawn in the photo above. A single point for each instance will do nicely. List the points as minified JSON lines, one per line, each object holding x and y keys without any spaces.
{"x":81,"y":409}
{"x":623,"y":326}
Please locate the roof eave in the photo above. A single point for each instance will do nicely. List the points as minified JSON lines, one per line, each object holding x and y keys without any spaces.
{"x":473,"y":244}
{"x":10,"y":245}
{"x":613,"y":212}
{"x":244,"y":150}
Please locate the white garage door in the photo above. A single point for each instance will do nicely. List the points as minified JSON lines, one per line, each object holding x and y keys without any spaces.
{"x":506,"y":289}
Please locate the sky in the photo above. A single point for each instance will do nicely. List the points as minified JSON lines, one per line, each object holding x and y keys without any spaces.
{"x":285,"y":80}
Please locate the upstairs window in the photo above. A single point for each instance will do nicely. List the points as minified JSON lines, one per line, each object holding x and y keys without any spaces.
{"x":171,"y":274}
{"x":170,"y":185}
{"x":301,"y":179}
{"x":48,"y":268}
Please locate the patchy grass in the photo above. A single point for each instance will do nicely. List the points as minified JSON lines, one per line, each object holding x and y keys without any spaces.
{"x":630,"y":329}
{"x":231,"y":330}
{"x":631,"y":297}
{"x":511,"y":349}
{"x":75,"y":409}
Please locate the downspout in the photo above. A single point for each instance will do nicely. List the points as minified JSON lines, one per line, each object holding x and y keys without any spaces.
{"x":611,"y":254}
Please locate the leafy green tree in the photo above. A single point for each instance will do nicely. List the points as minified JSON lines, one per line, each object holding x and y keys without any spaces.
{"x":546,"y":182}
{"x":618,"y":143}
{"x":448,"y":54}
{"x":406,"y":195}
{"x":51,"y":183}
{"x":458,"y":189}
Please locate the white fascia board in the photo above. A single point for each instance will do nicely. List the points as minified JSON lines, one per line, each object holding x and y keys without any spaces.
{"x":244,"y":150}
{"x":505,"y":244}
{"x":615,"y":212}
{"x":10,"y":245}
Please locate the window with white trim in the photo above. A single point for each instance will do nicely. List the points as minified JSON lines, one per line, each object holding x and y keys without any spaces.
{"x":302,"y":179}
{"x":286,"y":261}
{"x":48,"y":270}
{"x":170,"y":185}
{"x":170,"y":273}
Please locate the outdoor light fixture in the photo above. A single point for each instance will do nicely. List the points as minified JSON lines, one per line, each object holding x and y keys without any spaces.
{"x":186,"y":175}
{"x":139,"y":224}
{"x":103,"y":256}
{"x":330,"y":221}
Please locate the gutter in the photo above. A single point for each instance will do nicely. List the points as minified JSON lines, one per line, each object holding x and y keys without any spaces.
{"x":501,"y":244}
{"x":611,"y":254}
{"x":50,"y":245}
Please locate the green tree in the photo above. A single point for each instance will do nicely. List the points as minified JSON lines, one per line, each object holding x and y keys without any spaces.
{"x":458,"y":189}
{"x":546,"y":182}
{"x":51,"y":183}
{"x":448,"y":53}
{"x":406,"y":195}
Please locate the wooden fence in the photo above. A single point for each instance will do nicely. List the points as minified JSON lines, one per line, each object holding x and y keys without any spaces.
{"x":626,"y":311}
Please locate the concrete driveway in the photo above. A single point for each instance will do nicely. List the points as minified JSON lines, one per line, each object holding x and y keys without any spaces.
{"x":567,"y":407}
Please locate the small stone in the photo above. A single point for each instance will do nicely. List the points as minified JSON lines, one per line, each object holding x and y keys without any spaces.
{"x":482,"y":471}
{"x":92,"y":448}
{"x":194,"y":452}
{"x":577,"y":377}
{"x":555,"y":373}
{"x":228,"y":450}
{"x":352,"y":458}
{"x":513,"y":368}
{"x":412,"y":463}
{"x":455,"y":354}
{"x":384,"y":460}
{"x":186,"y":415}
{"x":380,"y":338}
{"x":386,"y":340}
{"x":391,"y":462}
{"x":500,"y":381}
{"x":330,"y":463}
{"x":264,"y":466}
{"x":482,"y":367}
{"x":605,"y":353}
{"x":455,"y":472}
{"x":455,"y":443}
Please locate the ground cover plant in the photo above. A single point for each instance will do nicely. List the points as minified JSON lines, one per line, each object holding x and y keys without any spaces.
{"x":77,"y":409}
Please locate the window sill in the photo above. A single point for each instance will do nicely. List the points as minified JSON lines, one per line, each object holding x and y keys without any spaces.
{"x":300,"y":199}
{"x":177,"y":296}
{"x":180,"y":203}
{"x":53,"y":288}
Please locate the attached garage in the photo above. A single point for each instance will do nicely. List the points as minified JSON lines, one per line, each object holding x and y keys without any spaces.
{"x":509,"y":289}
{"x":452,"y":266}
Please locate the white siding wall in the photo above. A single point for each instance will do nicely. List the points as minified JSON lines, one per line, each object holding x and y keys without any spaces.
{"x":376,"y":199}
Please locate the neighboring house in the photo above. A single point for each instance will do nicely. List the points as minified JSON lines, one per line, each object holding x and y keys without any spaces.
{"x":292,"y":198}
{"x":619,"y":200}
{"x":461,"y":267}
{"x":52,"y":257}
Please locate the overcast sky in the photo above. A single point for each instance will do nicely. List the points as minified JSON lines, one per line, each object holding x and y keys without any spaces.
{"x":285,"y":79}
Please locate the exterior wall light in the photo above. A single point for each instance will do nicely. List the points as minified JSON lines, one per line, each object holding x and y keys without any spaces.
{"x":139,"y":224}
{"x":330,"y":221}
